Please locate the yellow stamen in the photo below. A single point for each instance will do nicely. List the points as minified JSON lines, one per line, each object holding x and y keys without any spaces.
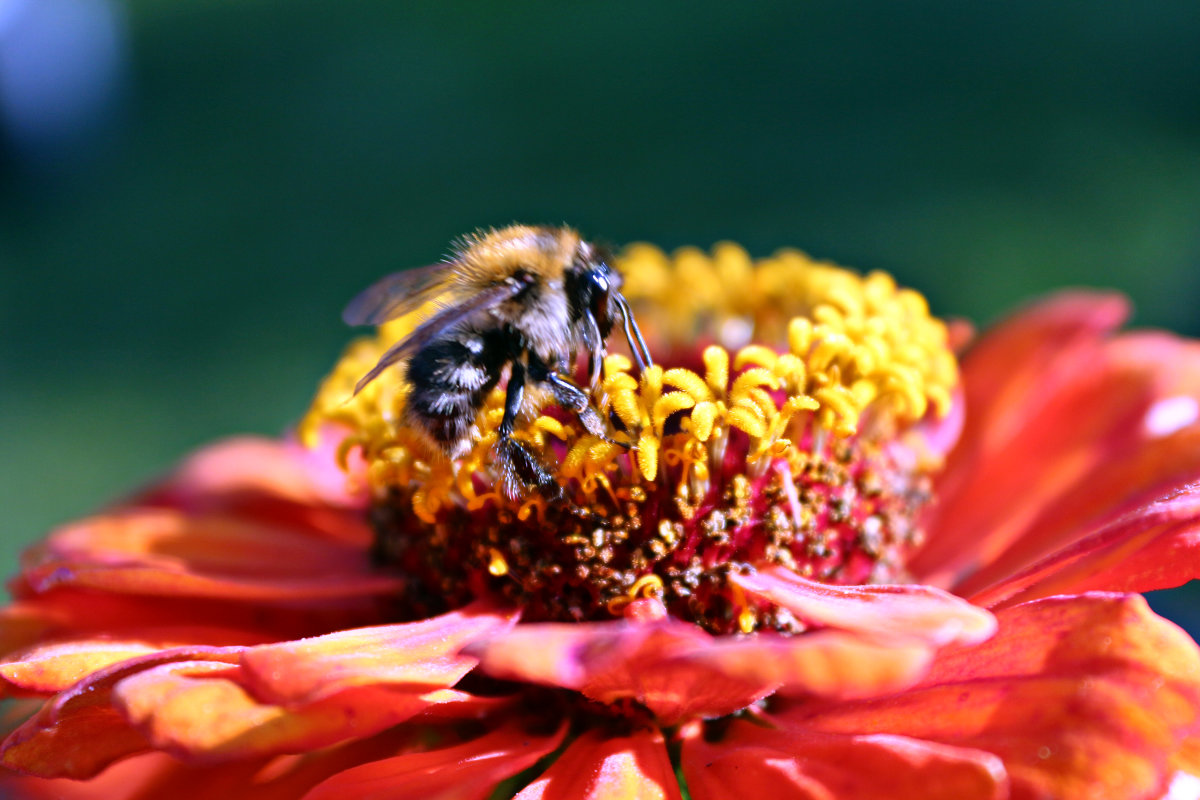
{"x":716,"y":368}
{"x":647,"y":587}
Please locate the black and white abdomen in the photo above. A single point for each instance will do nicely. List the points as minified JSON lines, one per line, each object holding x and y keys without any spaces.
{"x":450,"y":378}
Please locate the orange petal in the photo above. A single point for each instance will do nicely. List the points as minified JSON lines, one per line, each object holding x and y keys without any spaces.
{"x":596,"y":767}
{"x":791,"y":763}
{"x":79,"y":733}
{"x":76,"y":742}
{"x":903,"y":611}
{"x":1080,"y":697}
{"x":464,"y":771}
{"x":415,"y":655}
{"x":1187,"y":758}
{"x":52,"y":668}
{"x":200,"y":711}
{"x":168,"y":552}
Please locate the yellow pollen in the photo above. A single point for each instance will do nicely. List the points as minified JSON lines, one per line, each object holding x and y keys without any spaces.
{"x":497,"y":566}
{"x":828,"y":351}
{"x":746,"y":618}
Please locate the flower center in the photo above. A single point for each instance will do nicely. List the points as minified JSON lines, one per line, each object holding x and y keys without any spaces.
{"x":785,"y":438}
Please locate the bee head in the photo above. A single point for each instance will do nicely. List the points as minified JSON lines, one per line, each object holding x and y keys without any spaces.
{"x":594,"y":291}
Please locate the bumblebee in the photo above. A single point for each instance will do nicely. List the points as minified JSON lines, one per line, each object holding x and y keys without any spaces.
{"x":522,"y":298}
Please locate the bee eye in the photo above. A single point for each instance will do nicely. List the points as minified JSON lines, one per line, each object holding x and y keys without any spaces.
{"x":599,"y":283}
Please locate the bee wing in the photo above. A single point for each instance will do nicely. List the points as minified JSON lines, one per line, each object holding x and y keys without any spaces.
{"x":434,"y":326}
{"x":397,"y":294}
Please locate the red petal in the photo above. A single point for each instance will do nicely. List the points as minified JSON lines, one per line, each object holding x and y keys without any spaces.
{"x":1008,"y":378}
{"x":792,"y":763}
{"x":1100,"y":436}
{"x":168,"y":552}
{"x":416,"y":656}
{"x":70,"y":613}
{"x":1080,"y":697}
{"x":472,"y":769}
{"x":595,"y":767}
{"x":1155,"y":545}
{"x":130,"y":779}
{"x":906,"y":611}
{"x":1108,"y":496}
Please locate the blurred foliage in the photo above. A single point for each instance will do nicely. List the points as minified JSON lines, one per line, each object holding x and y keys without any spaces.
{"x":179,"y":276}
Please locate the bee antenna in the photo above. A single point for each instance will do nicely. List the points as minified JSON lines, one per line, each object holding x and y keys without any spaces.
{"x":637,"y":344}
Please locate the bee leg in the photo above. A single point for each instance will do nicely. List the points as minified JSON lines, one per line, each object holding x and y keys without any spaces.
{"x":519,"y":468}
{"x":575,"y":399}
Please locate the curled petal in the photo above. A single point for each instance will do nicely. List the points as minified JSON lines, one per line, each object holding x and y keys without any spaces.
{"x":552,"y":654}
{"x":76,"y":741}
{"x":823,"y":663}
{"x":678,"y":671}
{"x":905,"y":611}
{"x":655,"y":670}
{"x":613,"y":661}
{"x":788,"y":762}
{"x":596,"y":767}
{"x":416,"y":655}
{"x":463,"y":771}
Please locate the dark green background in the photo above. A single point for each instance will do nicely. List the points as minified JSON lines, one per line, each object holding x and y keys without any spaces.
{"x":180,"y":279}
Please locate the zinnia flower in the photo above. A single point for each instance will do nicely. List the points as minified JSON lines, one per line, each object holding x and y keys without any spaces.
{"x":832,"y":566}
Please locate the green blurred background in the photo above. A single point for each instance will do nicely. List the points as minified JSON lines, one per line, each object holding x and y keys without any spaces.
{"x":190,"y":190}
